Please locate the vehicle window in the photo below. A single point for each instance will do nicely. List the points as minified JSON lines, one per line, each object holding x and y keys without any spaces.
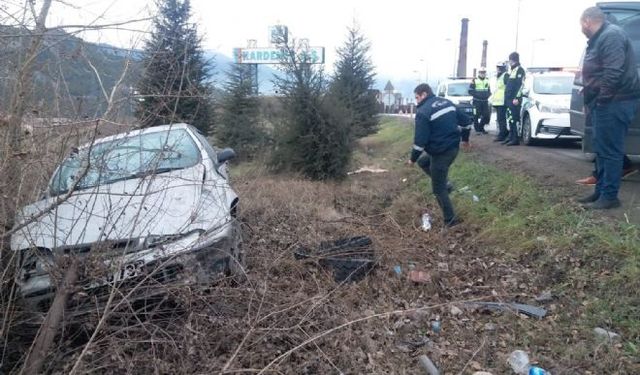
{"x":630,"y":23}
{"x":126,"y":158}
{"x":550,"y":85}
{"x":207,"y":148}
{"x":458,"y":89}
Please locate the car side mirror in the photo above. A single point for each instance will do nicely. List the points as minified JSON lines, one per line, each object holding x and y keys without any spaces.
{"x":226,"y":155}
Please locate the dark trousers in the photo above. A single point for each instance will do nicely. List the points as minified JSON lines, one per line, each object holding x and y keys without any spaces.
{"x":610,"y":125}
{"x":513,"y":117}
{"x":437,"y":167}
{"x":464,"y":133}
{"x":626,"y":164}
{"x":481,"y":114}
{"x":501,"y":119}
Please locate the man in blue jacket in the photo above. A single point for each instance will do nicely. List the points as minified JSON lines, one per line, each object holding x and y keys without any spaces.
{"x":437,"y":134}
{"x":611,"y":96}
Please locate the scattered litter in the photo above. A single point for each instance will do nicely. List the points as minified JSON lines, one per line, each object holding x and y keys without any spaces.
{"x":541,"y":238}
{"x":455,"y":311}
{"x":351,"y":259}
{"x":444,"y":267}
{"x":435,"y":325}
{"x":546,"y":296}
{"x":413,"y":345}
{"x":467,"y":190}
{"x":519,"y":362}
{"x":429,"y":367}
{"x":602,"y":333}
{"x":426,"y":221}
{"x":533,"y":311}
{"x":481,"y":373}
{"x":369,"y":170}
{"x":397,"y":270}
{"x":490,"y":327}
{"x":404,"y":180}
{"x":419,"y":277}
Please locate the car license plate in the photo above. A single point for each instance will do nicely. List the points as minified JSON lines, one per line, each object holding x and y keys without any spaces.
{"x":127,"y":271}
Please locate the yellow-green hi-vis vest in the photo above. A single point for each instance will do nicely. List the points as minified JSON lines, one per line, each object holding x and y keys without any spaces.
{"x":497,"y":99}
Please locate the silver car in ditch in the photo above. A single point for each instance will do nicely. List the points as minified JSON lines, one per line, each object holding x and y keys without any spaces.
{"x":148,"y":207}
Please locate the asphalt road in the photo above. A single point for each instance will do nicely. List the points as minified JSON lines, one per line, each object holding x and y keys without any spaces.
{"x":557,"y":165}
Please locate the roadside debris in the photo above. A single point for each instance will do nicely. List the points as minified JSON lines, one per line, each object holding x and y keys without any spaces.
{"x":602,"y":333}
{"x":455,"y":311}
{"x":467,"y":190}
{"x":519,"y":362}
{"x":419,"y":277}
{"x":368,"y":170}
{"x":426,"y":221}
{"x":481,"y":373}
{"x":533,"y":311}
{"x":545,"y":296}
{"x":429,"y":367}
{"x":435,"y":325}
{"x":397,"y":269}
{"x":351,"y":259}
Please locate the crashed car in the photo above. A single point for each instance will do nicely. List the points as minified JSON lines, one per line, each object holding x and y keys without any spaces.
{"x":151,"y":206}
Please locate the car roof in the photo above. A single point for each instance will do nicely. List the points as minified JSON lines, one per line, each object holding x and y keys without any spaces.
{"x":619,"y":5}
{"x":552,"y":74}
{"x":135,"y":132}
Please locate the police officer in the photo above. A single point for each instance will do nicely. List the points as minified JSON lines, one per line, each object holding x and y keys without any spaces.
{"x":480,"y":90}
{"x":513,"y":98}
{"x":437,"y":134}
{"x":497,"y":101}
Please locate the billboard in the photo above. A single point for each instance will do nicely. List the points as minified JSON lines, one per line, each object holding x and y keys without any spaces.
{"x":311,"y":55}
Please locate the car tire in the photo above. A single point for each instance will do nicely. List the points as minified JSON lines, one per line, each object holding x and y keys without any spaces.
{"x":527,"y":138}
{"x":236,"y":266}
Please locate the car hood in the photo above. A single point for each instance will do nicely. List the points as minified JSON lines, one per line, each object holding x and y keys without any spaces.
{"x":562,"y":101}
{"x":165,"y":204}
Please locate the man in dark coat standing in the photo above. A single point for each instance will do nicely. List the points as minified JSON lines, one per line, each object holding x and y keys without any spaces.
{"x":438,"y":136}
{"x":611,"y":97}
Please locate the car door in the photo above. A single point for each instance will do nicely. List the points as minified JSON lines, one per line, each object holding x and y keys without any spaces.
{"x":627,"y":16}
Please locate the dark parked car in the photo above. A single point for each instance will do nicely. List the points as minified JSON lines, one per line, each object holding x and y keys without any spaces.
{"x":627,"y":16}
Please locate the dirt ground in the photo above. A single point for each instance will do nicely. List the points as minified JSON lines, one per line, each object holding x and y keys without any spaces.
{"x":292,"y":317}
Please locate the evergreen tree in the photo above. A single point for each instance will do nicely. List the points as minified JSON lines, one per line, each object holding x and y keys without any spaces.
{"x":353,"y":83}
{"x":313,"y":136}
{"x":174,"y":85}
{"x":240,"y":119}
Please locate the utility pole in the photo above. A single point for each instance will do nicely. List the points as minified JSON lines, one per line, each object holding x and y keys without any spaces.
{"x":518,"y":24}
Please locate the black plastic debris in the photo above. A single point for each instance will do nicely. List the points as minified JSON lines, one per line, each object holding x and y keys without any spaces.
{"x":351,"y":259}
{"x":532,"y":311}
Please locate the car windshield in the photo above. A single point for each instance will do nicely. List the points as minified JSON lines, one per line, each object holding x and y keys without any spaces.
{"x":122,"y":159}
{"x":549,"y":85}
{"x":458,"y":89}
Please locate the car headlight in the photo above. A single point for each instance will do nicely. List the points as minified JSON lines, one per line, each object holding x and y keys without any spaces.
{"x":35,"y":262}
{"x":157,"y":240}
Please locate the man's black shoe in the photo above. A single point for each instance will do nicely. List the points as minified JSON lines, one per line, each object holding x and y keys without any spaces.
{"x":453,"y":222}
{"x":485,"y":132}
{"x":513,"y":144}
{"x":603,"y":204}
{"x":590,"y":199}
{"x":505,"y":141}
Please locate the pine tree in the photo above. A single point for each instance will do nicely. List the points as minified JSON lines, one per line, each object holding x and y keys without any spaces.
{"x":353,"y":83}
{"x":239,"y":122}
{"x":313,"y":136}
{"x":174,"y":86}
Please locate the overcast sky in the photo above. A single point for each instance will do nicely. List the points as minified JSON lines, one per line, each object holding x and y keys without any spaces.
{"x":407,"y":37}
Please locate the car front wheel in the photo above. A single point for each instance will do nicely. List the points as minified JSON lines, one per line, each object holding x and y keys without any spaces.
{"x":526,"y":131}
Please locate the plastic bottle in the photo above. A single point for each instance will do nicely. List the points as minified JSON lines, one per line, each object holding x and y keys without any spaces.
{"x":426,"y":221}
{"x":435,"y":325}
{"x":519,"y":362}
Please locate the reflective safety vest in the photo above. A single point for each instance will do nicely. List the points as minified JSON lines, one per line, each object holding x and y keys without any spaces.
{"x":497,"y":99}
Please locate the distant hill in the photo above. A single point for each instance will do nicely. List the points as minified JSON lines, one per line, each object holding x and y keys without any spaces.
{"x":65,"y":84}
